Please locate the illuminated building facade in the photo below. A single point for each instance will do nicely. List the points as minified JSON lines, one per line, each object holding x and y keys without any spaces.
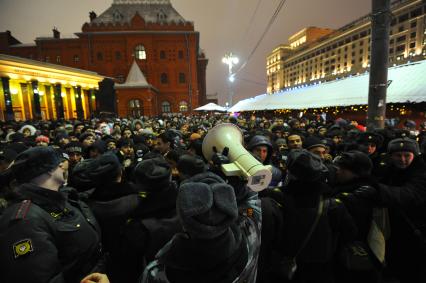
{"x":33,"y":90}
{"x":310,"y":57}
{"x":148,"y":39}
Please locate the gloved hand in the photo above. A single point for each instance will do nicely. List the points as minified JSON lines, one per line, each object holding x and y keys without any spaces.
{"x":366,"y":192}
{"x":220,"y":158}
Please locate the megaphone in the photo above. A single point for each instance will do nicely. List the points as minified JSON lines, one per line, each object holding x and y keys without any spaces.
{"x":242,"y":164}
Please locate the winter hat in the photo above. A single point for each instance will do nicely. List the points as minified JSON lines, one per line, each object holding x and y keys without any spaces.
{"x":107,"y":170}
{"x":34,"y":162}
{"x":194,"y":137}
{"x":42,"y":139}
{"x":99,"y":145}
{"x":370,"y":137}
{"x":31,"y":128}
{"x":191,"y":165}
{"x":124,"y":142}
{"x":80,"y":177}
{"x":281,"y":141}
{"x":410,"y":124}
{"x":313,"y":141}
{"x":153,"y":173}
{"x":206,"y":211}
{"x":60,"y":136}
{"x":73,"y":147}
{"x":355,"y":161}
{"x":403,"y":144}
{"x":303,"y":165}
{"x":85,"y":135}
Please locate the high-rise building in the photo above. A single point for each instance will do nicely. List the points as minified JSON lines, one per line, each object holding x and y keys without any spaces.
{"x":146,"y":47}
{"x":315,"y":54}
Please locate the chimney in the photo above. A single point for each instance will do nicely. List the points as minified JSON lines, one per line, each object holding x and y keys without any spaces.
{"x":92,"y":16}
{"x":56,"y":33}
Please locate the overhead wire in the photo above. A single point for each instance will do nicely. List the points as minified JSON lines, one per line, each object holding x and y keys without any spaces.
{"x":251,"y":81}
{"x":253,"y":16}
{"x":270,"y":23}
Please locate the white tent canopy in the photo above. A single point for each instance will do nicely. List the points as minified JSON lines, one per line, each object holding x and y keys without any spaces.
{"x":211,"y":107}
{"x":408,"y":85}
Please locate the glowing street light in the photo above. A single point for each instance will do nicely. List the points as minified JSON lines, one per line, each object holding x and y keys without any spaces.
{"x":230,"y":60}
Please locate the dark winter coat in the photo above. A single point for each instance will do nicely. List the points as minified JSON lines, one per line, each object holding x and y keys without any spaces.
{"x":113,"y":204}
{"x":152,"y":225}
{"x":47,"y":236}
{"x":300,"y":207}
{"x":404,"y":193}
{"x":360,"y":209}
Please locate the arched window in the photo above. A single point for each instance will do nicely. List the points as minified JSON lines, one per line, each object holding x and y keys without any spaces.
{"x":165,"y":107}
{"x":135,"y":108}
{"x":164,"y":79}
{"x":140,"y":52}
{"x":183,"y":106}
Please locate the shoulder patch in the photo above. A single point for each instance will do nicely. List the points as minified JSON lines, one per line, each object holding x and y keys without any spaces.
{"x":22,"y":248}
{"x":22,"y":210}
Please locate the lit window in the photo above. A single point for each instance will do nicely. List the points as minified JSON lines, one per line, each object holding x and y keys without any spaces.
{"x":140,"y":52}
{"x":135,"y":108}
{"x":165,"y":107}
{"x":183,"y":106}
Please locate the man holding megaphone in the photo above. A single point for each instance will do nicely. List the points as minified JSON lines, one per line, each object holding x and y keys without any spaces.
{"x":242,"y":163}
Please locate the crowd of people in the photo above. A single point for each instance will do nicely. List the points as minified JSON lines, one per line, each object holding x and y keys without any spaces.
{"x":135,"y":200}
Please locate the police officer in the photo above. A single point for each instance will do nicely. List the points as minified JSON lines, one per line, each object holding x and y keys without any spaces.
{"x":47,"y":234}
{"x":403,"y":191}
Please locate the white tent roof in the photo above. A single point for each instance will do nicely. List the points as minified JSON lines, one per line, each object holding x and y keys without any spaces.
{"x":135,"y":78}
{"x":211,"y":107}
{"x":408,"y":85}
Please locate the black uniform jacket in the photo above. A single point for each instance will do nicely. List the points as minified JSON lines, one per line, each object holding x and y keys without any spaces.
{"x":47,"y":237}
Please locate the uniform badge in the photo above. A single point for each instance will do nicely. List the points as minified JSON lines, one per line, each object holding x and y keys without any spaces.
{"x":401,"y":144}
{"x":22,"y":248}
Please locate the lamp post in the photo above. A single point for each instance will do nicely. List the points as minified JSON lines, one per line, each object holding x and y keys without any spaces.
{"x":230,"y":60}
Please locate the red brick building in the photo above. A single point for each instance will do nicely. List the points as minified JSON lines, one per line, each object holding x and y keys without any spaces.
{"x":149,"y":50}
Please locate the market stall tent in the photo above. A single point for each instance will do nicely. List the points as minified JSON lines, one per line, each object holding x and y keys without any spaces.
{"x":407,"y":84}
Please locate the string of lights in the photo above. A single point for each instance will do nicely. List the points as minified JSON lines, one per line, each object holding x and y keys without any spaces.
{"x":270,"y":23}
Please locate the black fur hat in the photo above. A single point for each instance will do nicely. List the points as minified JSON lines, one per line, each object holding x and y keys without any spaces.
{"x":34,"y":162}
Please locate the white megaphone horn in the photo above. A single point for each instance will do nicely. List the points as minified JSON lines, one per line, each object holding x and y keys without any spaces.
{"x":242,"y":164}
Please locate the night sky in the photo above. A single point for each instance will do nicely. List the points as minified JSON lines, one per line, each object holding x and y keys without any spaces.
{"x":224,"y":26}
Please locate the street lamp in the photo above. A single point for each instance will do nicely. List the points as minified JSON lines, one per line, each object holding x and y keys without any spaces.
{"x":230,"y":60}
